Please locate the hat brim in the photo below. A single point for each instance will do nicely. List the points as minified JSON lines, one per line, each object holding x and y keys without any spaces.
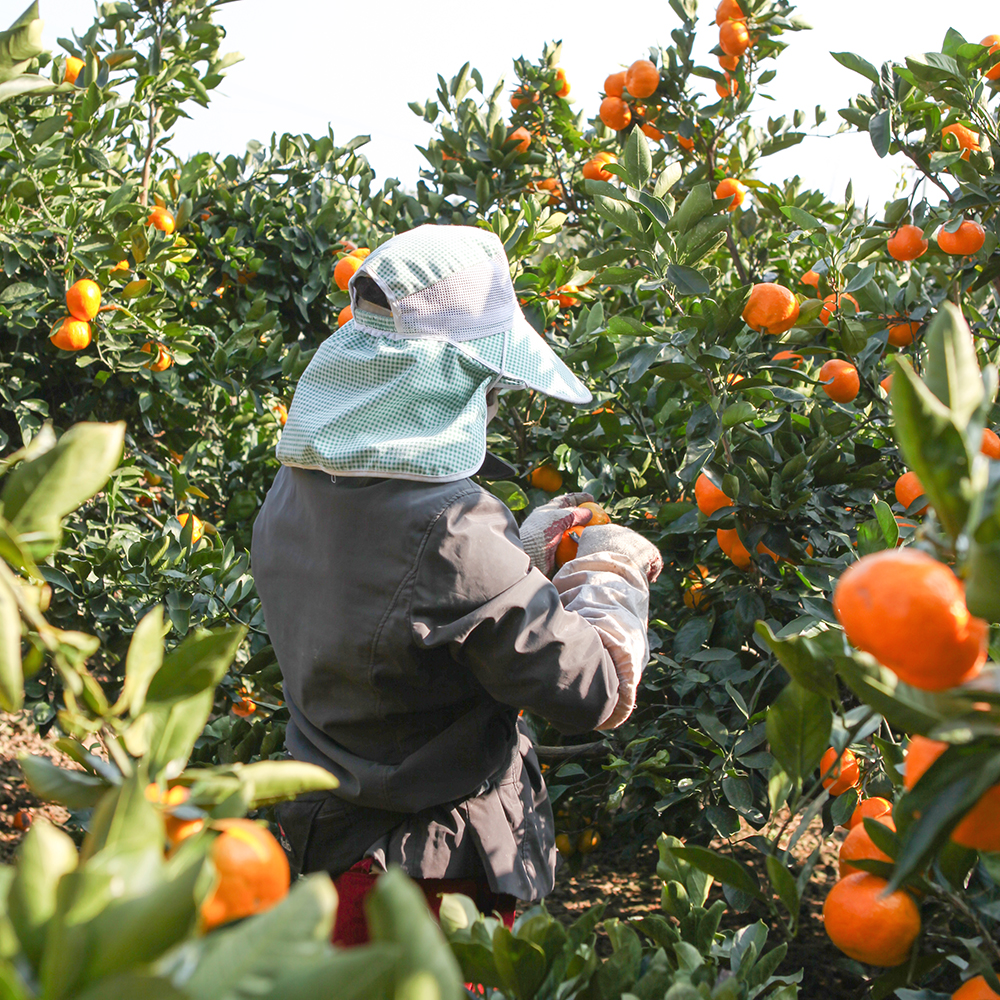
{"x":522,"y":359}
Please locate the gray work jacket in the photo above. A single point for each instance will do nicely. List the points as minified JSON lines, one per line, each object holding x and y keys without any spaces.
{"x":410,"y":627}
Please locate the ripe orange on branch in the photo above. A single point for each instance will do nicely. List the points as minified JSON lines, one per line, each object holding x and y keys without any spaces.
{"x":868,"y":925}
{"x":730,"y":187}
{"x":979,"y":828}
{"x":252,"y":869}
{"x":993,"y":72}
{"x":842,"y":380}
{"x":734,"y":39}
{"x":71,"y":334}
{"x":593,"y":170}
{"x":907,"y":243}
{"x":642,"y":78}
{"x":902,"y":332}
{"x":163,"y":359}
{"x":975,"y":988}
{"x":344,"y":270}
{"x":795,"y":360}
{"x":908,"y":610}
{"x":835,"y":303}
{"x":873,"y":808}
{"x":83,"y":299}
{"x":708,"y":496}
{"x":845,"y":771}
{"x":74,"y":67}
{"x":991,"y":443}
{"x":615,"y":113}
{"x":908,"y":488}
{"x":967,"y":239}
{"x":771,"y":308}
{"x":729,"y":89}
{"x":197,"y":526}
{"x":859,"y":846}
{"x":968,"y":141}
{"x":729,"y":10}
{"x":162,"y":219}
{"x":546,"y":477}
{"x":614,"y":85}
{"x":523,"y":136}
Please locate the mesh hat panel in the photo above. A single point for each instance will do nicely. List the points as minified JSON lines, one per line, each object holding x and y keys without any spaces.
{"x":475,"y":302}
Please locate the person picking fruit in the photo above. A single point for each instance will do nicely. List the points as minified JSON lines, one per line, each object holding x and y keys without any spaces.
{"x":410,"y":615}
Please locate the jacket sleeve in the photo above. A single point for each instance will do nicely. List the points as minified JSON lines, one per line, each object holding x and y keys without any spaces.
{"x":475,"y":591}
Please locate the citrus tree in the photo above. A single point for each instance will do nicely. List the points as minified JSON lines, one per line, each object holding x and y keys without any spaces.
{"x":738,"y":337}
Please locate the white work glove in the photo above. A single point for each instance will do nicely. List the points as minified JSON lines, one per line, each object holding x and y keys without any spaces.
{"x":607,"y":583}
{"x":625,"y":542}
{"x":543,"y":527}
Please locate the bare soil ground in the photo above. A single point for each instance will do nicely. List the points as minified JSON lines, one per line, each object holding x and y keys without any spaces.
{"x":18,"y":735}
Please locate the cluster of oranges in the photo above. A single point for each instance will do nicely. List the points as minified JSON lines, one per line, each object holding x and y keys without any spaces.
{"x":623,"y":90}
{"x":252,"y":872}
{"x":863,"y":921}
{"x":908,"y":611}
{"x":908,"y":242}
{"x":734,"y":40}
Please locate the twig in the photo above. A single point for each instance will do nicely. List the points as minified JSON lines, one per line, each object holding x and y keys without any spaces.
{"x":599,"y":749}
{"x":737,"y":261}
{"x":154,"y":118}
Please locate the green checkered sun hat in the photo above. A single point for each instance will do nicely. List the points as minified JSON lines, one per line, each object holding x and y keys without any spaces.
{"x":401,"y":392}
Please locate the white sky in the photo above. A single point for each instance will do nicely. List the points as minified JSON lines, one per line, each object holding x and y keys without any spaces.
{"x":310,"y":63}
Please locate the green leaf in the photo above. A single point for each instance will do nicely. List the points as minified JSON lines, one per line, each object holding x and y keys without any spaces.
{"x":862,"y":278}
{"x":266,"y":782}
{"x":801,"y":218}
{"x":197,"y":664}
{"x":952,"y":365}
{"x":808,"y":659}
{"x":238,"y":960}
{"x":723,"y":869}
{"x":136,"y":931}
{"x":397,"y":913}
{"x":738,"y":413}
{"x":637,"y":160}
{"x":11,"y":674}
{"x":46,"y":854}
{"x":880,"y":130}
{"x":520,"y":963}
{"x":699,"y":202}
{"x":673,"y":868}
{"x":982,"y":580}
{"x":144,"y":658}
{"x":934,"y":446}
{"x":798,"y":730}
{"x":131,"y":986}
{"x":167,"y":732}
{"x":510,"y":494}
{"x":73,"y":789}
{"x":41,"y":492}
{"x":687,"y":280}
{"x":20,"y":43}
{"x":858,"y":65}
{"x":784,"y":884}
{"x":620,"y":215}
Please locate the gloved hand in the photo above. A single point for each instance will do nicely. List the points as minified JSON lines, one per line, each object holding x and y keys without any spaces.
{"x":544,"y":527}
{"x":625,"y":542}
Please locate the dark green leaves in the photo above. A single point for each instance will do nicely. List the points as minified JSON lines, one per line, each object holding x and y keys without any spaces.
{"x":798,"y":730}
